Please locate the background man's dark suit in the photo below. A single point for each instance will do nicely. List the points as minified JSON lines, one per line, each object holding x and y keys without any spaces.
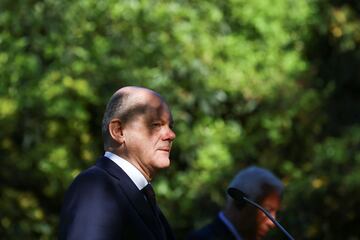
{"x":238,"y":221}
{"x":214,"y":231}
{"x":119,"y":210}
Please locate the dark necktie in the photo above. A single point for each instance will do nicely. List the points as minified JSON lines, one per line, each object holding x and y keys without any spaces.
{"x":150,"y":195}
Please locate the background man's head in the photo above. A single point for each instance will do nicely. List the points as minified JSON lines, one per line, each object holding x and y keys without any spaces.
{"x":261,"y":186}
{"x":137,"y":126}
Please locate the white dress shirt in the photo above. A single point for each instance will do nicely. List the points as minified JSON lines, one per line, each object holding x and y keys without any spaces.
{"x":134,"y":174}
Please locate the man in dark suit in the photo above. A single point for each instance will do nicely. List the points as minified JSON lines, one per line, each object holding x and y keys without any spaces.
{"x":245,"y":222}
{"x":114,"y":199}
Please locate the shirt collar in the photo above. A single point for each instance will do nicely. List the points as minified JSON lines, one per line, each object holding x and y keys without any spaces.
{"x":229,"y":225}
{"x":134,"y":174}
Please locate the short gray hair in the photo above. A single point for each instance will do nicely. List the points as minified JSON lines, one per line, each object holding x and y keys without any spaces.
{"x":257,"y":183}
{"x":114,"y":109}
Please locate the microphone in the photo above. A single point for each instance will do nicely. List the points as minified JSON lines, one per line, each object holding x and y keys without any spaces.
{"x":241,"y":197}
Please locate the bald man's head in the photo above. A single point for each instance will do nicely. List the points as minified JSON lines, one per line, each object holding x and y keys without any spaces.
{"x":127,"y":103}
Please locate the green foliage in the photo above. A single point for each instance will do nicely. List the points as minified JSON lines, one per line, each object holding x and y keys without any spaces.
{"x":331,"y":184}
{"x":250,"y":82}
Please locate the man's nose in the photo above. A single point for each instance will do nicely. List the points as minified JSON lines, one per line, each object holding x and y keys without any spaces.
{"x":170,"y":134}
{"x":269,"y":222}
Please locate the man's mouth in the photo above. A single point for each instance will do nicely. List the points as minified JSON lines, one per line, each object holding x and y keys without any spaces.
{"x":166,"y":149}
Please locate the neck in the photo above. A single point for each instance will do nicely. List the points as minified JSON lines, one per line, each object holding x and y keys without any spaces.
{"x":243,"y":220}
{"x":146,"y":172}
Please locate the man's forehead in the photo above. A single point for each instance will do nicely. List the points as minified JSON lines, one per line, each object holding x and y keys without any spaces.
{"x":272,"y":200}
{"x":150,"y":110}
{"x":158,"y":111}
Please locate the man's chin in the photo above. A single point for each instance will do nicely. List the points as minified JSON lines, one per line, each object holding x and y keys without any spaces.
{"x":261,"y":235}
{"x":163,"y":163}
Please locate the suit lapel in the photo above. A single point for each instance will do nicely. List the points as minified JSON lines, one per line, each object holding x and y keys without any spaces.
{"x":134,"y":195}
{"x":168,"y":232}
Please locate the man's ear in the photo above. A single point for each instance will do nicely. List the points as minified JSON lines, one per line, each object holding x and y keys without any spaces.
{"x":116,"y":131}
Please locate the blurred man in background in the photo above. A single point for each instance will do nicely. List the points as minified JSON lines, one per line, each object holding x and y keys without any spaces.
{"x":114,"y":199}
{"x":242,"y":221}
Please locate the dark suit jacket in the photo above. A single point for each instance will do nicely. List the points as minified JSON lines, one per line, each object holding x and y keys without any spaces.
{"x":104,"y":203}
{"x":216,"y":230}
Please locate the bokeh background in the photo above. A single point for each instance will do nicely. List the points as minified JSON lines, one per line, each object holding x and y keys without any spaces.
{"x":272,"y":83}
